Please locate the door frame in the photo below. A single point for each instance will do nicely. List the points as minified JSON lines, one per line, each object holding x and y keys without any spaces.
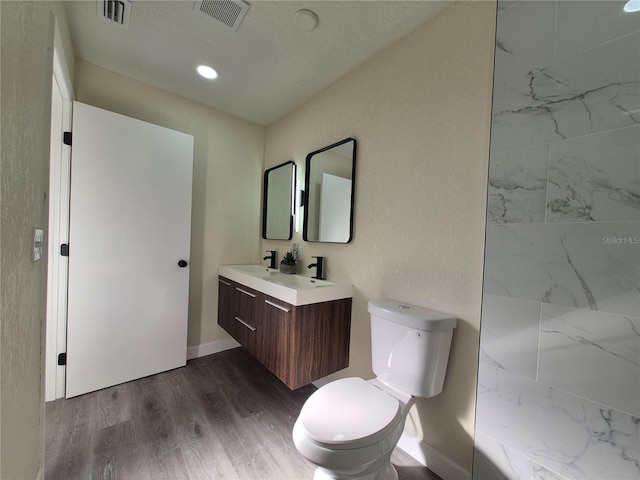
{"x":57,"y":266}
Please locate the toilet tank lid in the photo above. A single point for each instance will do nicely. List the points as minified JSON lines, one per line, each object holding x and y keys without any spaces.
{"x":411,"y":315}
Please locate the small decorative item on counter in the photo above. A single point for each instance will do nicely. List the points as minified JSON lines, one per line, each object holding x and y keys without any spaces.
{"x":288,"y":263}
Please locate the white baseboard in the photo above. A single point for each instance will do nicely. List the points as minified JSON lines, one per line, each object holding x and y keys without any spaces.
{"x":210,"y":348}
{"x":428,"y":456}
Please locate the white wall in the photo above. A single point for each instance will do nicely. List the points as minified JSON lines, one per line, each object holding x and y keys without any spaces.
{"x":227,"y":179}
{"x":25,"y":95}
{"x":420,"y":111}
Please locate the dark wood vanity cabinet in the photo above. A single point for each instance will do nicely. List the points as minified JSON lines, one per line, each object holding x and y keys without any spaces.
{"x":299,"y":344}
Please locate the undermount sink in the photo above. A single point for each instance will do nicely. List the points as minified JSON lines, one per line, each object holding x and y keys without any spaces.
{"x":293,"y":289}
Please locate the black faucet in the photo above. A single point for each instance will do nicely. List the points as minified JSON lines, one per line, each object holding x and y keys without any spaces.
{"x":271,"y":257}
{"x":319,"y":264}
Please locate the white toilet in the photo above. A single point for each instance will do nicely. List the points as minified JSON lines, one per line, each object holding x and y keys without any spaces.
{"x":349,"y":428}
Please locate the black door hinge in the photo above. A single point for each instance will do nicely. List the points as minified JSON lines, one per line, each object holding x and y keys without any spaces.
{"x":62,"y":358}
{"x":67,"y":138}
{"x":64,"y":249}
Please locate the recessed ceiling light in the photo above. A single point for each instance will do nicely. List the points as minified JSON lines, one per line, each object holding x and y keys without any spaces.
{"x":632,"y":6}
{"x":207,"y":72}
{"x":306,"y":20}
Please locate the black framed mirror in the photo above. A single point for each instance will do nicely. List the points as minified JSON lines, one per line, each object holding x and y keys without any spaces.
{"x":329,"y":193}
{"x":277,"y":204}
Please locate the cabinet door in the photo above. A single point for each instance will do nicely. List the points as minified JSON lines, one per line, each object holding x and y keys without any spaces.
{"x":247,"y":317}
{"x":274,"y":347}
{"x":227,"y":306}
{"x":320,"y":340}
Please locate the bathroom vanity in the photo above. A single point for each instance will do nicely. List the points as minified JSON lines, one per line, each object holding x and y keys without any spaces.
{"x":297,"y":326}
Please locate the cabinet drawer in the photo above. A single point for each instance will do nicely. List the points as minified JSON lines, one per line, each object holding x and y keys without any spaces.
{"x":247,"y":291}
{"x":284,"y":307}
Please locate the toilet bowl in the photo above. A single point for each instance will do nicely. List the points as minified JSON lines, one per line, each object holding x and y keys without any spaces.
{"x":349,"y":428}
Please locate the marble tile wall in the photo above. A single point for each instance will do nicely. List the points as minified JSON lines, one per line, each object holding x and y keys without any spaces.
{"x":559,"y":373}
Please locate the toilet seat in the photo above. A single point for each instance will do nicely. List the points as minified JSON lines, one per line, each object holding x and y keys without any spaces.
{"x":349,"y":413}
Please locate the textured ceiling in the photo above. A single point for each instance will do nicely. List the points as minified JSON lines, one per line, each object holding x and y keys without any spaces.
{"x":268,"y":67}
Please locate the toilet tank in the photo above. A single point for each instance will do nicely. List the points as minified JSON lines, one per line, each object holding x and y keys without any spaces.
{"x":410,"y":346}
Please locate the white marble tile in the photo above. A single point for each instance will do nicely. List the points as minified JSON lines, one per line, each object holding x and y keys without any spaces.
{"x":591,"y":354}
{"x":494,"y":461}
{"x":518,"y":185}
{"x":594,"y":91}
{"x":539,"y":472}
{"x":504,"y":4}
{"x":566,"y":84}
{"x":595,"y":178}
{"x":587,"y":23}
{"x":585,"y":265}
{"x":524,"y":41}
{"x":570,"y":436}
{"x":525,"y":37}
{"x":509,"y":334}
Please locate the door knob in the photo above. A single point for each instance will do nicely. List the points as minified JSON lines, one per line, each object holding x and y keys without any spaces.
{"x":182,"y":263}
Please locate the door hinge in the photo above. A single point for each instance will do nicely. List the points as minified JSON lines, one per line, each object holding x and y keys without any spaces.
{"x":67,"y":138}
{"x":62,"y":358}
{"x":64,"y":249}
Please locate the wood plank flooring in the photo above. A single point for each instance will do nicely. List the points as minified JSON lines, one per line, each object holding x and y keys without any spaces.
{"x":223,"y":416}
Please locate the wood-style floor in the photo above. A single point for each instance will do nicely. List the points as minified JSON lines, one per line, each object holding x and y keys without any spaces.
{"x":221,"y":417}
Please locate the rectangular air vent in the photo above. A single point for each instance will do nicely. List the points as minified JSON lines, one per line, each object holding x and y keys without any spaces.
{"x":115,"y":11}
{"x":227,"y":12}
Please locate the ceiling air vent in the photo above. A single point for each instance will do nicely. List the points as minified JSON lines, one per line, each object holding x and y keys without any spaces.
{"x":115,"y":11}
{"x":228,"y":12}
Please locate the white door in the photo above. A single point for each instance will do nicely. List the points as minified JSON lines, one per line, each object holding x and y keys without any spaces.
{"x":130,"y":221}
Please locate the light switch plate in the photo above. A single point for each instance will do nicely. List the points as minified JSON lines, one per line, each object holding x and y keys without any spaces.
{"x":38,"y":243}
